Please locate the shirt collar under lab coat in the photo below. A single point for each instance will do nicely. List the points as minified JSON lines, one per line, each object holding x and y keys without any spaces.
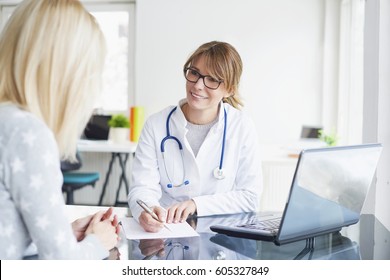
{"x":221,"y":115}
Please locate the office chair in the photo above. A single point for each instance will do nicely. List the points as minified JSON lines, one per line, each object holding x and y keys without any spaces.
{"x":75,"y":180}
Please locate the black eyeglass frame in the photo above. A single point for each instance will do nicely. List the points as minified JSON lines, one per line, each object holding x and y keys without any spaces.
{"x":200,"y":76}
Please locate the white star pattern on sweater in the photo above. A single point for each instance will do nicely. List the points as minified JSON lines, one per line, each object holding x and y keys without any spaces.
{"x":36,"y":182}
{"x":11,"y":250}
{"x":17,"y":165}
{"x":29,"y":138}
{"x":49,"y":158}
{"x":4,"y":231}
{"x":42,"y":222}
{"x":8,"y":230}
{"x":25,"y":205}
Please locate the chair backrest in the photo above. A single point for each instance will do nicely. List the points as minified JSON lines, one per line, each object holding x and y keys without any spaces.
{"x":70,"y":166}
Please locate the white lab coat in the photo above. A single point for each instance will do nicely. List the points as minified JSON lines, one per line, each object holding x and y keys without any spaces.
{"x":238,"y":192}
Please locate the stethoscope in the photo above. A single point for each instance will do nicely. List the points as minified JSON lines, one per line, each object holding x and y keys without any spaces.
{"x":218,"y":172}
{"x":172,"y":247}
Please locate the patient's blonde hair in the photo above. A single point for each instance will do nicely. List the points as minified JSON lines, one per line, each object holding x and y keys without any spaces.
{"x":51,"y":55}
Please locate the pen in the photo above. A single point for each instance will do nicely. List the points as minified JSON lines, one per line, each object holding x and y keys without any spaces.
{"x":150,"y":212}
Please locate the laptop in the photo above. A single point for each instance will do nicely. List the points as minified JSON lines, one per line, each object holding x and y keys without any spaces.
{"x":327,"y":193}
{"x":97,"y":127}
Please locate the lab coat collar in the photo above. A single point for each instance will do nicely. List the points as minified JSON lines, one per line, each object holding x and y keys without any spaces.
{"x":180,"y":115}
{"x":221,"y":115}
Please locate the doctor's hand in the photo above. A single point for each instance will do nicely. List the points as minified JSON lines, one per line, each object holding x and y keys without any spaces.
{"x":148,"y":223}
{"x":152,"y":247}
{"x":179,"y":212}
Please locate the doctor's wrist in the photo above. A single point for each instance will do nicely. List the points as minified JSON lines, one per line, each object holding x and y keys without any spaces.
{"x":195,"y":208}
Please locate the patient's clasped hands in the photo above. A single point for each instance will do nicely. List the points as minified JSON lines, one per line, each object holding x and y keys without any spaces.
{"x":103,"y":224}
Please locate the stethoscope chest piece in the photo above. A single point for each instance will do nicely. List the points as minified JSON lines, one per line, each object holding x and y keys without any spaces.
{"x":219,"y":173}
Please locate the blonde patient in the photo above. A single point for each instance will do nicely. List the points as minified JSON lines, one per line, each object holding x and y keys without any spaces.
{"x":51,"y":56}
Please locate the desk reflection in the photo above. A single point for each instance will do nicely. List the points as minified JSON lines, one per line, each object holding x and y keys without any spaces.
{"x":221,"y":247}
{"x":212,"y":246}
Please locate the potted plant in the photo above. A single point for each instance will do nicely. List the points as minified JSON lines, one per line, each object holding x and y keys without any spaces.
{"x":329,"y":138}
{"x":119,"y":128}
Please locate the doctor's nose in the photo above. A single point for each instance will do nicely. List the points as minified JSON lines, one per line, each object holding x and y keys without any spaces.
{"x":199,"y":83}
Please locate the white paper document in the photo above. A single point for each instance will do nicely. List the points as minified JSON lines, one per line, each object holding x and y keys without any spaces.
{"x":133,"y":230}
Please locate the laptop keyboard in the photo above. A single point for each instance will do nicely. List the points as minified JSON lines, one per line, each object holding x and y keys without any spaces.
{"x":256,"y":223}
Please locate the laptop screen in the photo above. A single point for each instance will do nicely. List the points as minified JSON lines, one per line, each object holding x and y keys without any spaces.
{"x":97,"y":128}
{"x":329,"y":189}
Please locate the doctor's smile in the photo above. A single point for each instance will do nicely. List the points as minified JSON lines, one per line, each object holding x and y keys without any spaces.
{"x":198,"y":96}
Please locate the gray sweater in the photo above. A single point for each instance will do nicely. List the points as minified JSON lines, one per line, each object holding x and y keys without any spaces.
{"x":31,"y":200}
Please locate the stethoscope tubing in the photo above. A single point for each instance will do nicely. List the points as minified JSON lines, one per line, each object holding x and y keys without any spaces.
{"x":223,"y":140}
{"x":218,"y":172}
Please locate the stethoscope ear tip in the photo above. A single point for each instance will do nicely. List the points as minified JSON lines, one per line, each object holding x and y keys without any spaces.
{"x":186,"y":182}
{"x":169,"y":186}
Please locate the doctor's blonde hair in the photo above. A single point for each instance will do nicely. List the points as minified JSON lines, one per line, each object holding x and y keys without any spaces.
{"x":52,"y":54}
{"x":223,"y":63}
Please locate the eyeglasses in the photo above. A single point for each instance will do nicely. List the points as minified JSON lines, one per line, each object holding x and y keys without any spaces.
{"x":193,"y":76}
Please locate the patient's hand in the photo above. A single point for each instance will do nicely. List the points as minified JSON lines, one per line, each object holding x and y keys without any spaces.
{"x":80,"y":225}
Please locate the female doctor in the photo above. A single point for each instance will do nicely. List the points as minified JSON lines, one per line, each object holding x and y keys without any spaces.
{"x":201,"y":156}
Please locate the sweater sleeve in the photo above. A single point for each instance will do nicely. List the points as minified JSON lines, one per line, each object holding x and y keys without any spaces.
{"x":35,"y":182}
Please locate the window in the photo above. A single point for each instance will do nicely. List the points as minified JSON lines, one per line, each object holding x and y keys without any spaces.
{"x":350,"y":95}
{"x":117,"y":23}
{"x":342,"y":103}
{"x":5,"y":14}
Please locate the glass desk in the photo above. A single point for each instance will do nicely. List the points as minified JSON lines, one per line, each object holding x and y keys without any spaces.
{"x":367,"y":240}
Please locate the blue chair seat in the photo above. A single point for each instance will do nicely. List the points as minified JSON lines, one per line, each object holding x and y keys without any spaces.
{"x":81,"y":178}
{"x":74,"y":181}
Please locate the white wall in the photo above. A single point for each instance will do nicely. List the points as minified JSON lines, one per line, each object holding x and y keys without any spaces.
{"x":377,"y":101}
{"x":383,"y":187}
{"x":280,"y":42}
